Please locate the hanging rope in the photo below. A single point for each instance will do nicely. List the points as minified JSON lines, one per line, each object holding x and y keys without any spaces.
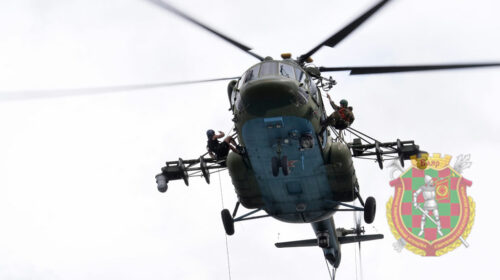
{"x":356,"y":262}
{"x":364,"y":134}
{"x":225,"y":235}
{"x":338,"y":134}
{"x":360,"y":137}
{"x":230,"y":130}
{"x":328,"y":268}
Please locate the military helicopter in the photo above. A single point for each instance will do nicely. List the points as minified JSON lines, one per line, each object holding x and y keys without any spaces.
{"x":291,"y":168}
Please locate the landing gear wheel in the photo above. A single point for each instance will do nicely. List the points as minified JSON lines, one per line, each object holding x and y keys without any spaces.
{"x":275,"y":164}
{"x":370,"y":208}
{"x":227,"y":221}
{"x":284,"y":165}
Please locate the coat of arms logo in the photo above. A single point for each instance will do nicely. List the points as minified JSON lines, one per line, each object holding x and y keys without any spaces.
{"x":430,"y":213}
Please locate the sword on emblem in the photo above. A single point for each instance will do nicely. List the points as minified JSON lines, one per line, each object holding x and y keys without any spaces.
{"x":432,"y":220}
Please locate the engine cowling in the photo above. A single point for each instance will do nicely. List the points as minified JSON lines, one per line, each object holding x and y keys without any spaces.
{"x":341,"y":173}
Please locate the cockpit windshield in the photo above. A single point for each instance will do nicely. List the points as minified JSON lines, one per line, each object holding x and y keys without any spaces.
{"x":273,"y":69}
{"x":252,"y":74}
{"x":286,"y":71}
{"x":268,"y":69}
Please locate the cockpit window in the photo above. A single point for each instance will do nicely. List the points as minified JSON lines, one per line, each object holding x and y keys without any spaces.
{"x":314,"y":90}
{"x":286,"y":71}
{"x":301,"y":75}
{"x":237,"y":101}
{"x":273,"y":69}
{"x":251,"y":74}
{"x":268,"y":69}
{"x":234,"y":95}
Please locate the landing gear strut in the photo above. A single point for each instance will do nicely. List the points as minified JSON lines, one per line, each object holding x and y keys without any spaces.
{"x":369,"y":206}
{"x":228,"y":220}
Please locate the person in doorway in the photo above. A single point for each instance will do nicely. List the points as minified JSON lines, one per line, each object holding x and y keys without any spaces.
{"x":220,"y":150}
{"x":341,"y":118}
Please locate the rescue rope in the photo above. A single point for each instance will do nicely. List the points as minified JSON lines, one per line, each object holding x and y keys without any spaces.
{"x":356,"y":262}
{"x":338,"y":135}
{"x":218,"y":171}
{"x":360,"y":137}
{"x":364,"y":134}
{"x":225,"y":235}
{"x":328,"y":268}
{"x":231,"y":129}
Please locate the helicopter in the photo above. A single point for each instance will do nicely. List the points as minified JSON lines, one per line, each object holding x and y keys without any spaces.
{"x":291,"y":168}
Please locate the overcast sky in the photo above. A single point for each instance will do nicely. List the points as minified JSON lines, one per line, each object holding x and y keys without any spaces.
{"x":77,"y":193}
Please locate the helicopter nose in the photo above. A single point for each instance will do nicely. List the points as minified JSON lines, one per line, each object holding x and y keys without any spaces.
{"x":261,"y":96}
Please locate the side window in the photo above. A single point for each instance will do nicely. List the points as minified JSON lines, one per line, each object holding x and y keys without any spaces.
{"x":234,"y":95}
{"x":251,"y":74}
{"x":240,"y":82}
{"x":300,"y":75}
{"x":286,"y":71}
{"x":313,"y":90}
{"x":239,"y":104}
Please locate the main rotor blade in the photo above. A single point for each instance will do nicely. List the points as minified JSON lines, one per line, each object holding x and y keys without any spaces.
{"x":176,"y":11}
{"x":344,"y":32}
{"x":31,"y":94}
{"x":364,"y":70}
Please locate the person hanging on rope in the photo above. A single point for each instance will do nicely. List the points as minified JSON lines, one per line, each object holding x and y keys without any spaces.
{"x":341,"y":118}
{"x":220,"y":150}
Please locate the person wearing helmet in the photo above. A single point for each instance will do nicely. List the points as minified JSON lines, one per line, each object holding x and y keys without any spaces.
{"x":217,"y":149}
{"x":341,"y":118}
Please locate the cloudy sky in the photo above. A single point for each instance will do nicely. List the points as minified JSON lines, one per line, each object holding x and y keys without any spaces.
{"x":77,"y":192}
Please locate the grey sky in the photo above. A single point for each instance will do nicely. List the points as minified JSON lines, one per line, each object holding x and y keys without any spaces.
{"x":77,"y":193}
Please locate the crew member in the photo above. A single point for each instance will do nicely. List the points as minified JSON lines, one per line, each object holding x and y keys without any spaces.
{"x":341,"y":118}
{"x":220,"y":150}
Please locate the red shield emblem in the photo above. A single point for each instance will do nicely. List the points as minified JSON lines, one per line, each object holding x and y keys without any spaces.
{"x":430,"y":213}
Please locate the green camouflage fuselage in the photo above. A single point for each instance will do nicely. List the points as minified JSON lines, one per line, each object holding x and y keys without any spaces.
{"x":276,"y":106}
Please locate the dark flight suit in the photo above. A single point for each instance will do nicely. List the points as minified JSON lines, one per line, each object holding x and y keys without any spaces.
{"x":221,"y":150}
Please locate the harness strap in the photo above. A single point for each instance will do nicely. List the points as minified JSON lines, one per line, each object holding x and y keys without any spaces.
{"x":342,"y":113}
